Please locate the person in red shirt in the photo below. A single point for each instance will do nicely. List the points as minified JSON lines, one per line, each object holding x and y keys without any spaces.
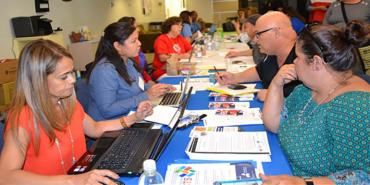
{"x":46,"y":125}
{"x":317,"y":10}
{"x":170,"y":42}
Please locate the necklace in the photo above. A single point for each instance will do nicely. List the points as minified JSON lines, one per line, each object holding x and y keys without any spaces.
{"x":57,"y":143}
{"x":301,"y":118}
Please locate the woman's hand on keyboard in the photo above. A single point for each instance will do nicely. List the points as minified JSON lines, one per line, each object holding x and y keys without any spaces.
{"x":94,"y":177}
{"x":158,"y":90}
{"x":143,"y":110}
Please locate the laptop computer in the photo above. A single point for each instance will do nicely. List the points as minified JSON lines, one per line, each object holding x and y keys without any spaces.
{"x":174,"y":98}
{"x":124,"y":151}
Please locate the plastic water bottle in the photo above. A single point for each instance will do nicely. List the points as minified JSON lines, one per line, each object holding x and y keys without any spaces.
{"x":150,"y":175}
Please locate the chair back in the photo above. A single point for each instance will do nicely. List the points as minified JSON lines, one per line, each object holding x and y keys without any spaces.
{"x":1,"y":135}
{"x":228,"y":27}
{"x":82,"y":92}
{"x":365,"y":58}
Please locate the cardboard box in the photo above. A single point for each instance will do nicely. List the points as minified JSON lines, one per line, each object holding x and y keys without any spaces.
{"x":6,"y":93}
{"x":8,"y":70}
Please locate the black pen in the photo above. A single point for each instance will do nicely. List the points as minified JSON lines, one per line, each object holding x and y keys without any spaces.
{"x":196,"y":120}
{"x":202,"y":116}
{"x":214,"y":67}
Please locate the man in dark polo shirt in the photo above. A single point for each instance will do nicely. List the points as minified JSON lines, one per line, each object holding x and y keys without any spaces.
{"x":275,"y":37}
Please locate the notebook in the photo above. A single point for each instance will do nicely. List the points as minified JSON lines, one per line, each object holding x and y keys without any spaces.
{"x":124,"y":151}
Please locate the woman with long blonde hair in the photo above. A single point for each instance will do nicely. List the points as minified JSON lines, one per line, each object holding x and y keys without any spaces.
{"x":46,"y":126}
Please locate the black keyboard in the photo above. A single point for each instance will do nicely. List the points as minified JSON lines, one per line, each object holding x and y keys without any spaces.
{"x":172,"y":98}
{"x":122,"y":150}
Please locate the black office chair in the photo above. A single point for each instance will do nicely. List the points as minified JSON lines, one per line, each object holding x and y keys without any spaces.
{"x":1,"y":135}
{"x":228,"y":27}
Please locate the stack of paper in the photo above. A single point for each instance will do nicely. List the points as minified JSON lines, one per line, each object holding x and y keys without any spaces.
{"x":209,"y":173}
{"x":230,"y":146}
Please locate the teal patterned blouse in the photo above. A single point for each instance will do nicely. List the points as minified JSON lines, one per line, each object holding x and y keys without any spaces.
{"x":326,"y":138}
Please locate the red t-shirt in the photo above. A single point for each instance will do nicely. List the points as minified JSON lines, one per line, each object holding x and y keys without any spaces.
{"x":166,"y":45}
{"x":48,"y":161}
{"x":146,"y":76}
{"x":318,"y":15}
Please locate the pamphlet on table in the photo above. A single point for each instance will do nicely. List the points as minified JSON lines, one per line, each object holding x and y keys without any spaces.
{"x":208,"y":173}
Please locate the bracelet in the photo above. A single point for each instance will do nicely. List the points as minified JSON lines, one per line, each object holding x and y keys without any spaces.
{"x":308,"y":181}
{"x":123,"y":122}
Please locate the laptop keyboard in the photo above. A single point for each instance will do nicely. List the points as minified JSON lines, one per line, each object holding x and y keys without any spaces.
{"x":170,"y":98}
{"x":123,"y":150}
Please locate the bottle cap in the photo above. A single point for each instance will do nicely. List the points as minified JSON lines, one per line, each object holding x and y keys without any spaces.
{"x":149,"y":165}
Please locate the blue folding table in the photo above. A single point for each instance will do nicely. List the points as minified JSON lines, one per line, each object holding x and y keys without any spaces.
{"x":176,"y":148}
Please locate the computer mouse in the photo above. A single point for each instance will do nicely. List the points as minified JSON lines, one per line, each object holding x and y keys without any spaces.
{"x":116,"y":181}
{"x":236,"y":86}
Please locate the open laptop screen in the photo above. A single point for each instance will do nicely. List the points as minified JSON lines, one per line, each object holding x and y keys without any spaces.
{"x":166,"y":138}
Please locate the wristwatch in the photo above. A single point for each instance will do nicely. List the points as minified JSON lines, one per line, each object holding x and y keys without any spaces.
{"x":308,"y":180}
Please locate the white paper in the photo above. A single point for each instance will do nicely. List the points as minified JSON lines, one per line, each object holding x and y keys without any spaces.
{"x":233,"y":142}
{"x":246,"y":97}
{"x":230,"y":146}
{"x":164,"y":115}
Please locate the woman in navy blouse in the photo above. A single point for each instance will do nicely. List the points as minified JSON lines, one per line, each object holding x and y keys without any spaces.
{"x":115,"y":83}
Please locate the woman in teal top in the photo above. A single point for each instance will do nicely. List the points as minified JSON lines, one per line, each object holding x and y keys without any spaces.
{"x":323,"y":126}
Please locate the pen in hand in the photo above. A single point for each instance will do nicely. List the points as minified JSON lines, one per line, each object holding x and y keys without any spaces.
{"x":214,"y":67}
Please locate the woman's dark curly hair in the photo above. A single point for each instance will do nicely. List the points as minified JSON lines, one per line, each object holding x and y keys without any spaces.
{"x":166,"y":26}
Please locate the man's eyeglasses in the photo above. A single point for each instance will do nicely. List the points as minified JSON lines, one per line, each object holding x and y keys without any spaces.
{"x":258,"y":34}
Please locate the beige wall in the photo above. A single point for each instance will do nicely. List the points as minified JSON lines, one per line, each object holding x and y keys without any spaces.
{"x":95,"y":14}
{"x":70,"y":16}
{"x":203,"y":7}
{"x":222,"y":9}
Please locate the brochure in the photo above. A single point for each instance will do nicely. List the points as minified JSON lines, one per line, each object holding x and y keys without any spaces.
{"x":209,"y":173}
